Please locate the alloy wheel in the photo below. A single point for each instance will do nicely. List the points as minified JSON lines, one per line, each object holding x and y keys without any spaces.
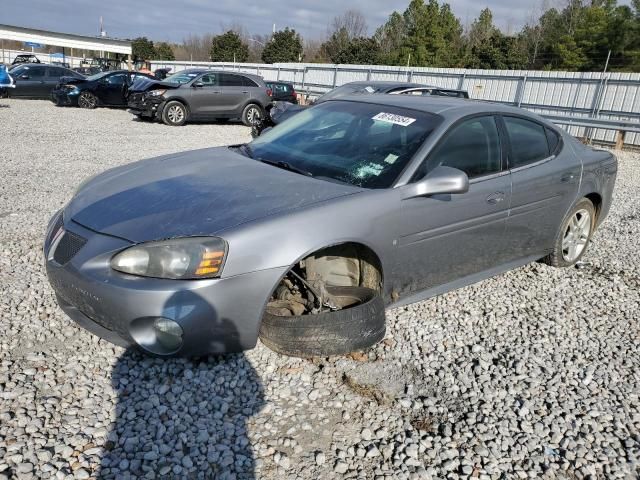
{"x":253,"y":115}
{"x":576,"y":235}
{"x":175,"y":114}
{"x":87,"y":100}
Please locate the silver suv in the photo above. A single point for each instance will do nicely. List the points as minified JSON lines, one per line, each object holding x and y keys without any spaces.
{"x":199,"y":94}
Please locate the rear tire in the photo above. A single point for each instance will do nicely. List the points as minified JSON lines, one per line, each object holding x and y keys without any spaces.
{"x":574,"y":235}
{"x":174,"y":114}
{"x":251,"y":114}
{"x":328,"y":333}
{"x":87,"y":100}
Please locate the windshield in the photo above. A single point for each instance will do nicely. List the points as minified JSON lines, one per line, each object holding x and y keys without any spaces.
{"x":181,"y":77}
{"x":97,"y":76}
{"x":348,"y":89}
{"x":362,"y":144}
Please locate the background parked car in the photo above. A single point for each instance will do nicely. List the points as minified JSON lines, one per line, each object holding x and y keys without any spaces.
{"x":25,"y":58}
{"x":283,"y":92}
{"x":87,"y":71}
{"x":199,"y":94}
{"x":162,"y":73}
{"x":38,"y":80}
{"x":278,"y":112}
{"x":101,"y":89}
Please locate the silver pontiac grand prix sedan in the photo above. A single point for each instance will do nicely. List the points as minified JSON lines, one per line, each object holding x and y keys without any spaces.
{"x":304,"y":236}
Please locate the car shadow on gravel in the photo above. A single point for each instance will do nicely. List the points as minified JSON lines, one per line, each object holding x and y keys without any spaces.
{"x":183,"y":418}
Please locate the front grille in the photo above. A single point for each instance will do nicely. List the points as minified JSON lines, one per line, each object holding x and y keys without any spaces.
{"x":69,"y":245}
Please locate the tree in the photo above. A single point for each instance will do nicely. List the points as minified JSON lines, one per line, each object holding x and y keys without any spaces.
{"x":163,"y":51}
{"x":142,"y":49}
{"x":229,"y":47}
{"x":284,"y":46}
{"x":434,"y":35}
{"x":390,"y":38}
{"x":342,"y":30}
{"x":359,"y":51}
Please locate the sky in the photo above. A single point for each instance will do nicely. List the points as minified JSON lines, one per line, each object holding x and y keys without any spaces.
{"x":172,"y":20}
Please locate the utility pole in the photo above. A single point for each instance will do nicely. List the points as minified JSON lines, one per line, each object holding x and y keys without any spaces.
{"x":607,"y":62}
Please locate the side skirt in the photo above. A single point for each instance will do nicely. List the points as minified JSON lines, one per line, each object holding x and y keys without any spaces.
{"x":463,"y":282}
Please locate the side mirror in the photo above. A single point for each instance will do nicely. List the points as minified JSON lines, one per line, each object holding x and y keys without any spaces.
{"x":441,"y":180}
{"x":24,"y":77}
{"x":198,"y":85}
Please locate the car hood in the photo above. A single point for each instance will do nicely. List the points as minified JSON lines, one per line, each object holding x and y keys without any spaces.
{"x":144,"y":84}
{"x":69,"y":80}
{"x":197,"y":193}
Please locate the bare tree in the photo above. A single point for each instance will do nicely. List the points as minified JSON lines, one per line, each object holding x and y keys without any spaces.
{"x":194,"y":47}
{"x":352,"y":22}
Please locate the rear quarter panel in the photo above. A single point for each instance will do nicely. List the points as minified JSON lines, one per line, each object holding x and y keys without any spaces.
{"x":599,"y":173}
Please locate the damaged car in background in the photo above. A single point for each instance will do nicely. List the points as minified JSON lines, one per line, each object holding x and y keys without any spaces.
{"x":201,"y":95}
{"x":304,"y":236}
{"x":283,"y":108}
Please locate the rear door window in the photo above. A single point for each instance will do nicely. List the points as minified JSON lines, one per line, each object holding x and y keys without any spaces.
{"x":119,"y":79}
{"x":528,"y":141}
{"x":56,"y":72}
{"x":554,"y":141}
{"x":229,"y":80}
{"x":247,"y":82}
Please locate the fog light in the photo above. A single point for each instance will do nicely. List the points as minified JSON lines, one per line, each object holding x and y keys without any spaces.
{"x":168,"y":333}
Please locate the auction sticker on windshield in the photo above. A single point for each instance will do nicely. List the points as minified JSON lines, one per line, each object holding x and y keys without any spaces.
{"x":395,"y":119}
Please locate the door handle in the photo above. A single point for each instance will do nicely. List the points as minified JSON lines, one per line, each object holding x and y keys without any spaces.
{"x":495,"y":198}
{"x":568,"y":177}
{"x":245,"y":91}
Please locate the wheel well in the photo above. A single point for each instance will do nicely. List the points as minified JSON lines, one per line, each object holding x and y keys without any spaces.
{"x":596,"y":200}
{"x":304,"y":286}
{"x":179,"y":100}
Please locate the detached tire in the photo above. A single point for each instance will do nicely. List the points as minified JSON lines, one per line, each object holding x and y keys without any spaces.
{"x":328,"y":333}
{"x":174,"y":114}
{"x":574,"y":235}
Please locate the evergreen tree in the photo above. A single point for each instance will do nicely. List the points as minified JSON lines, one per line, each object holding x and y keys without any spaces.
{"x":284,"y":46}
{"x":142,"y":49}
{"x":229,"y":47}
{"x":163,"y":51}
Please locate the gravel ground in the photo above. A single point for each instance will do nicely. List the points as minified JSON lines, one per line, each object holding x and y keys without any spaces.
{"x":532,"y":374}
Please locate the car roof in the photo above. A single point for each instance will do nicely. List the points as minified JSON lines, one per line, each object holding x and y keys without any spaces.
{"x":446,"y":107}
{"x":212,"y":70}
{"x":387,"y":83}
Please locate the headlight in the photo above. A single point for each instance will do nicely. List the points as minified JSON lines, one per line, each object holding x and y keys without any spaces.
{"x":70,"y":87}
{"x":181,"y":258}
{"x":156,"y":93}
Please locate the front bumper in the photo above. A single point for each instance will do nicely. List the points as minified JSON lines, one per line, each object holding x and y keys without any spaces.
{"x":64,"y":97}
{"x":216,"y":315}
{"x":151,"y":107}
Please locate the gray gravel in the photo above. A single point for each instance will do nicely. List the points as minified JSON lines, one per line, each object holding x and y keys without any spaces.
{"x":533,"y":374}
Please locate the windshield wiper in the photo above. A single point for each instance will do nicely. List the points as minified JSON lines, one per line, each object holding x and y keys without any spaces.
{"x":286,"y":166}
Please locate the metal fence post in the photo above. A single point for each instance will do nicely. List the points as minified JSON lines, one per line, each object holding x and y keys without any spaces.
{"x":520,"y":93}
{"x":304,"y":75}
{"x":463,"y":77}
{"x":335,"y":76}
{"x":369,"y":75}
{"x":410,"y":76}
{"x":278,"y":77}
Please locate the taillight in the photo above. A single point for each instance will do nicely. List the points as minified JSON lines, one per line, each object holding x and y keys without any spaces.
{"x":293,"y":93}
{"x":269,"y":92}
